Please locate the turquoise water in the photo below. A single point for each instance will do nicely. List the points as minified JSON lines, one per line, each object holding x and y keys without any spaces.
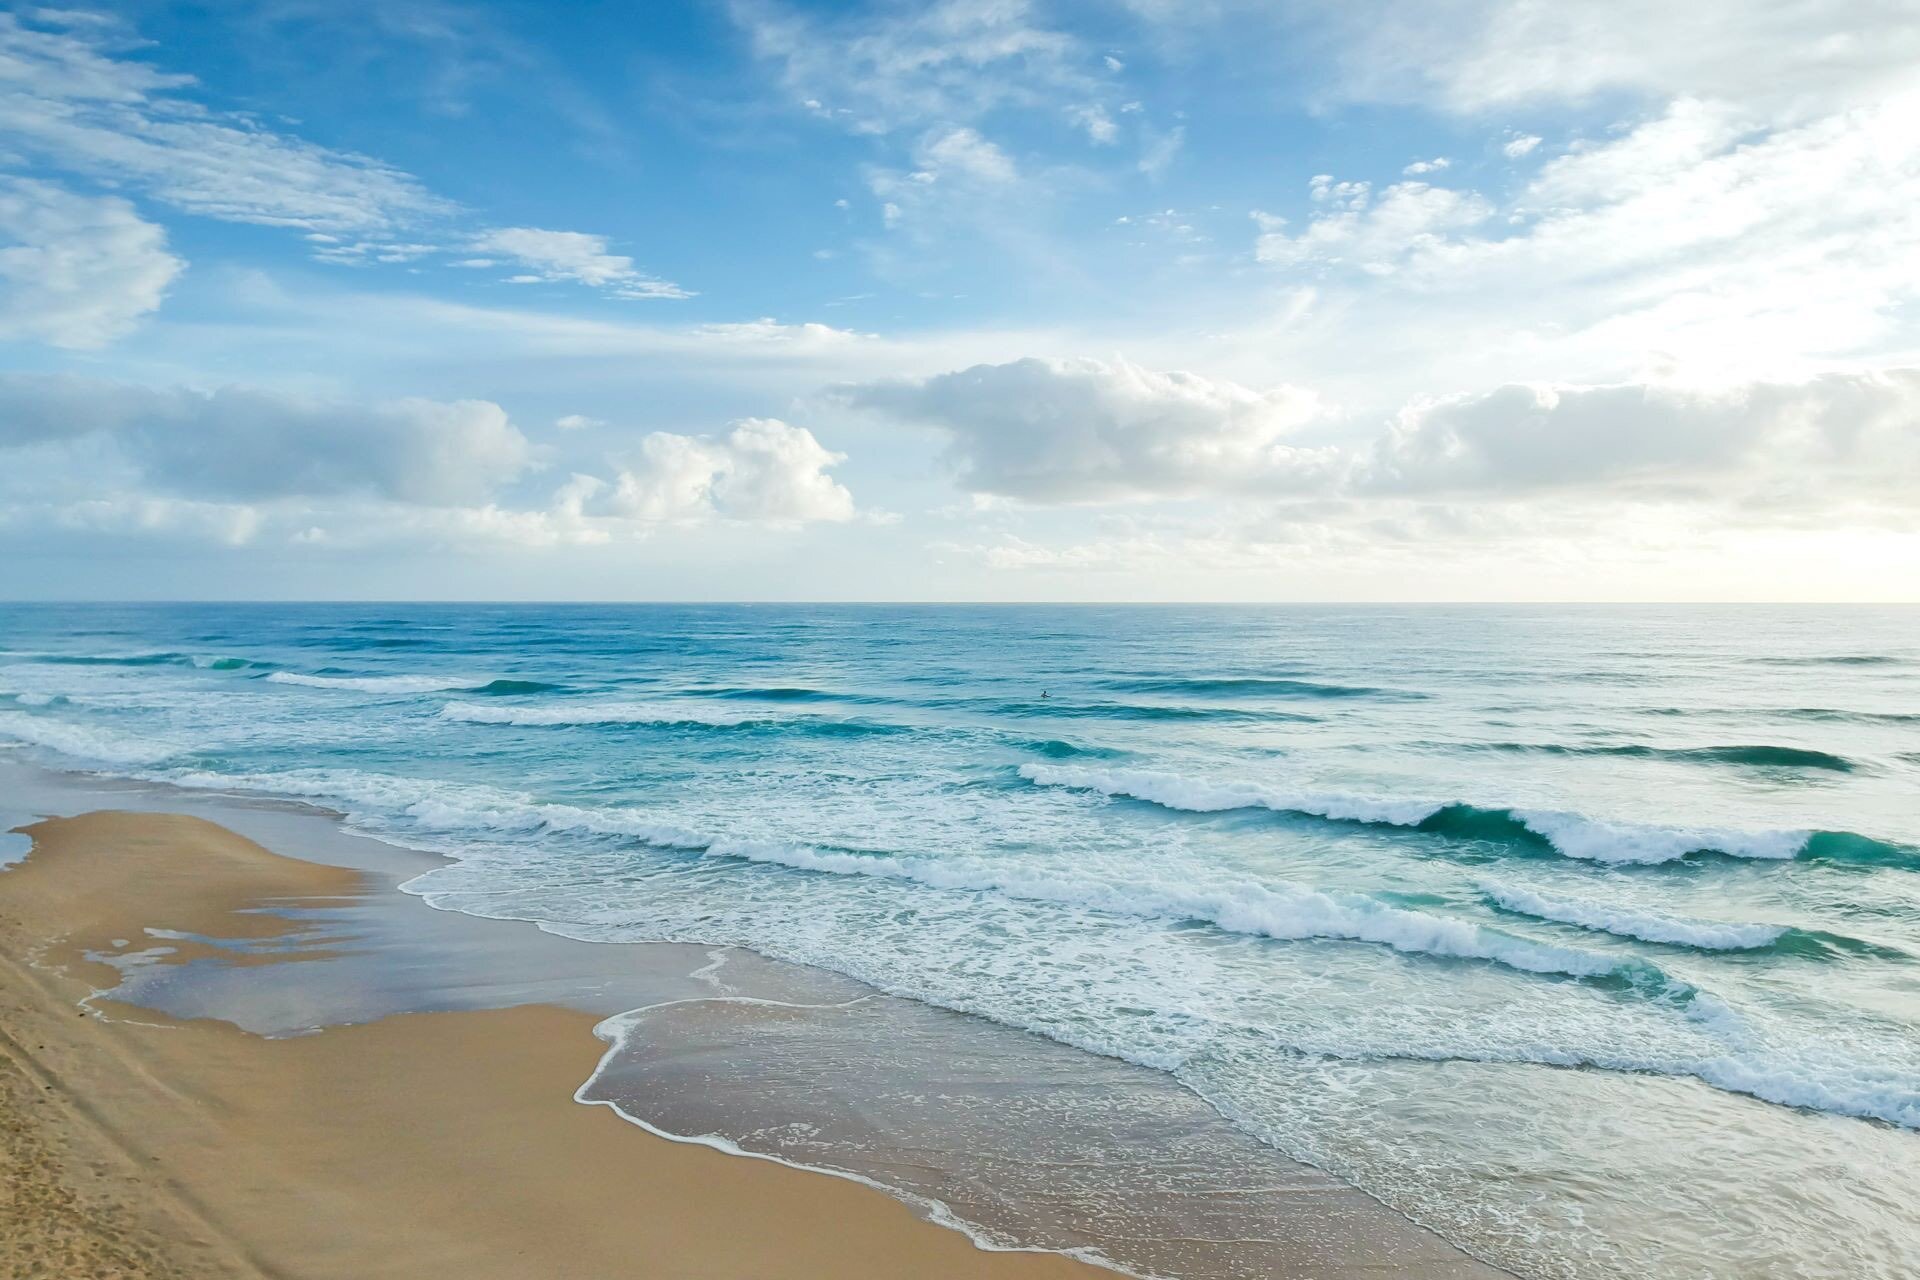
{"x":1589,"y":937}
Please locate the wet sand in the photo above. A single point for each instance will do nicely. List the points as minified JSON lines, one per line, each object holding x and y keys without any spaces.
{"x":418,"y":1145}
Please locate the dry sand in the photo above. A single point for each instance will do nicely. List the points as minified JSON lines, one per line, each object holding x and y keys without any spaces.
{"x":422,"y":1145}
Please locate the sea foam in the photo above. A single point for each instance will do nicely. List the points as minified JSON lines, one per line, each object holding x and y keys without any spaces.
{"x":657,"y":713}
{"x":1280,"y":910}
{"x":1625,"y":922}
{"x":85,"y":742}
{"x":1570,"y":834}
{"x":375,"y":684}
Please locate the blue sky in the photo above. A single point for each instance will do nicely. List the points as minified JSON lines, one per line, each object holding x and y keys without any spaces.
{"x":984,"y":299}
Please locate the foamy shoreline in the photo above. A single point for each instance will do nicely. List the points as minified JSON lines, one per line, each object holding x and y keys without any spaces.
{"x":470,"y":1019}
{"x":354,"y":1151}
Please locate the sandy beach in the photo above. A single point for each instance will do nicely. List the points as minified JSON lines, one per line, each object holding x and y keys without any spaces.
{"x":436,"y":1144}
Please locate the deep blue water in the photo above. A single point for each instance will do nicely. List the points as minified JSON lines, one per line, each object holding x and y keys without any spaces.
{"x":1578,"y":933}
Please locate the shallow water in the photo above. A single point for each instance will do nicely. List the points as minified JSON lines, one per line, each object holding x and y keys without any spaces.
{"x":1590,"y":937}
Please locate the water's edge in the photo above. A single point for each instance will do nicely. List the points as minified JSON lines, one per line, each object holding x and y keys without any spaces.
{"x":268,"y":818}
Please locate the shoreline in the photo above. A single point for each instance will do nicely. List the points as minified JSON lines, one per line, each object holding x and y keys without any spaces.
{"x":1312,"y":1224}
{"x":143,"y":1145}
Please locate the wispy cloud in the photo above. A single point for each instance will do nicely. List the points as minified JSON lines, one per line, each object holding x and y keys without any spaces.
{"x":74,"y":105}
{"x":573,"y":256}
{"x":950,"y":62}
{"x":83,"y":100}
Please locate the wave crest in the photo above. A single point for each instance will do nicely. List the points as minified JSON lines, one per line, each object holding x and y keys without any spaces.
{"x":375,"y":684}
{"x":1569,"y":835}
{"x":1624,"y":922}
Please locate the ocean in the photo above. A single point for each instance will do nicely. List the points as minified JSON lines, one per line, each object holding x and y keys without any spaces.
{"x":1587,"y":937}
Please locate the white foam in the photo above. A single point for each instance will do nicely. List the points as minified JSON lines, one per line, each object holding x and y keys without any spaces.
{"x":446,"y":807}
{"x":377,"y":684}
{"x":1867,"y":1092}
{"x":1648,"y":926}
{"x":1571,"y":834}
{"x":1197,"y":795}
{"x":662,"y":713}
{"x":85,"y":742}
{"x":1280,"y":910}
{"x":1595,"y":840}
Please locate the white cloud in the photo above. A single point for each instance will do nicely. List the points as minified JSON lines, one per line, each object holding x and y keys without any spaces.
{"x":961,"y":153}
{"x":66,"y":100}
{"x":395,"y":325}
{"x":768,"y":332}
{"x":1787,"y":55}
{"x":1157,"y":156}
{"x":1523,"y":145}
{"x":73,"y":98}
{"x":1091,"y":430}
{"x":939,"y":87}
{"x":576,"y":422}
{"x":955,"y":173}
{"x":1837,"y":437}
{"x":224,"y":523}
{"x":1434,"y":165}
{"x":1375,"y":236}
{"x":761,"y":470}
{"x":76,"y":271}
{"x":1696,"y":239}
{"x":573,"y":256}
{"x":1059,"y":431}
{"x":346,"y":525}
{"x":1098,"y":124}
{"x":250,"y":444}
{"x":921,"y":65}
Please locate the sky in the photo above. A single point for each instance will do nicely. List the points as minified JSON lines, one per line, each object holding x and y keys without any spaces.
{"x":1236,"y":300}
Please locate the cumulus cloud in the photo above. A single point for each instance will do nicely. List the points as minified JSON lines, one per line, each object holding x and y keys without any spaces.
{"x":1839,"y":435}
{"x":1519,"y":146}
{"x":1093,"y":430}
{"x":761,"y":469}
{"x":573,"y":256}
{"x":248,"y":444}
{"x":76,"y":271}
{"x":1064,"y":431}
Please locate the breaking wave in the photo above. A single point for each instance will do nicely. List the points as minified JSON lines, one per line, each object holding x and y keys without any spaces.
{"x":1567,"y":834}
{"x":376,"y":684}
